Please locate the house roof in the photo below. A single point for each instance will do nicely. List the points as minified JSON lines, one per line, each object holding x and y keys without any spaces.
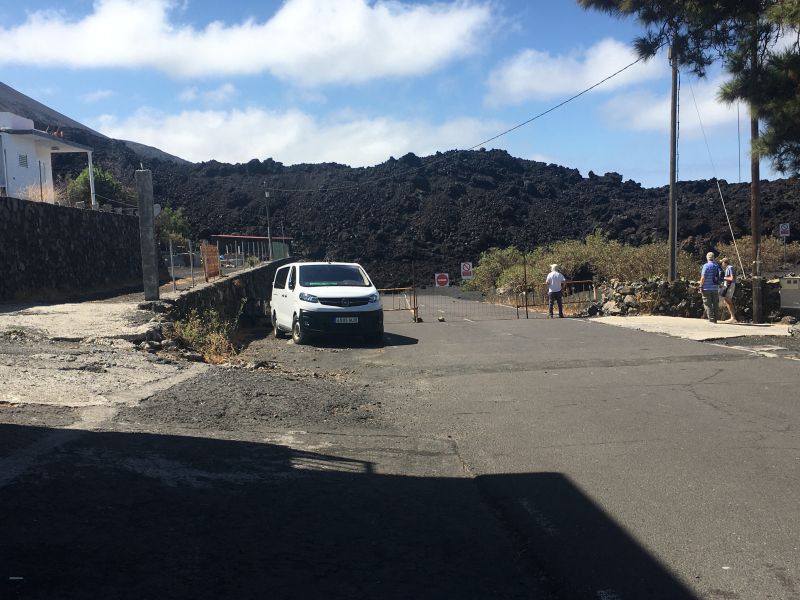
{"x":275,"y":238}
{"x":57,"y":144}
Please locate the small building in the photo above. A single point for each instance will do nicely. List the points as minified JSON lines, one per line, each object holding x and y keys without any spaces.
{"x":26,"y":159}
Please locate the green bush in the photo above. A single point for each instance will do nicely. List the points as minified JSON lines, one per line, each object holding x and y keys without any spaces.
{"x":771,"y":253}
{"x":605,"y":259}
{"x":171,"y":224}
{"x":491,"y":265}
{"x":106,"y":188}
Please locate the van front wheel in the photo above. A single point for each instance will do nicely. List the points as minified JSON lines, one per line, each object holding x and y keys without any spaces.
{"x":298,"y":335}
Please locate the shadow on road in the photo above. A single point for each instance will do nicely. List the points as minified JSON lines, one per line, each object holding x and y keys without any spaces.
{"x":132,"y":515}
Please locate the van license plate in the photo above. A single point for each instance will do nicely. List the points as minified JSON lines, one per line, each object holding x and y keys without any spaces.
{"x":346,"y":320}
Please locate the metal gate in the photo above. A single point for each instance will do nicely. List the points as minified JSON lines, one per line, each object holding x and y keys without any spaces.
{"x":453,"y":304}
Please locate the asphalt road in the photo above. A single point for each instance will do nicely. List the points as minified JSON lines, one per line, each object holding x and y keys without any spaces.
{"x":636,"y":465}
{"x":469,"y":458}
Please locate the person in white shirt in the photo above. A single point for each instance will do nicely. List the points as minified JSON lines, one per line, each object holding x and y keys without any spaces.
{"x":555,"y":285}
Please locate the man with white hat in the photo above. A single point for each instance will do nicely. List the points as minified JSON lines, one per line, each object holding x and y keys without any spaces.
{"x":710,"y":276}
{"x":555,"y":285}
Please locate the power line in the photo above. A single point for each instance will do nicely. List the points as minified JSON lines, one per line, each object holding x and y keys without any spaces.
{"x":479,"y":144}
{"x":716,"y":179}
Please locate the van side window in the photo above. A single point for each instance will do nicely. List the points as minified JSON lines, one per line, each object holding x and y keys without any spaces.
{"x":292,"y":279}
{"x":280,"y":278}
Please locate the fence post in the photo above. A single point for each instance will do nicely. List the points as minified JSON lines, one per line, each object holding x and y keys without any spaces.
{"x":191,"y":261}
{"x":172,"y":266}
{"x":147,"y":242}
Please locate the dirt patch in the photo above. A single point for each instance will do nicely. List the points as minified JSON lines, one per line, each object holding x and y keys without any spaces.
{"x":234,"y":399}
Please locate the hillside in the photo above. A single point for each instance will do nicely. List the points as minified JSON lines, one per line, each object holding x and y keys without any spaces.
{"x":442,"y":209}
{"x":437,"y":210}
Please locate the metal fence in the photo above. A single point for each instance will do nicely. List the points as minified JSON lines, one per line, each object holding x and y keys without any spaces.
{"x":452,"y":303}
{"x":577,"y":296}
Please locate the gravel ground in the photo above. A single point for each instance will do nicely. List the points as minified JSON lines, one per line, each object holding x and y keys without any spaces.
{"x":790,"y":343}
{"x":234,"y":399}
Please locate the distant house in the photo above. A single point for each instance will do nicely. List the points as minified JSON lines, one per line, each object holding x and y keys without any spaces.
{"x":25,"y":159}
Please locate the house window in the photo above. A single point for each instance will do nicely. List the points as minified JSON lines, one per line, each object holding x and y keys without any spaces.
{"x":23,"y":160}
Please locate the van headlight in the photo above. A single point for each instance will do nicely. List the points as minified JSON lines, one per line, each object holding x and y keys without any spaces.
{"x":308,"y":297}
{"x":373,"y":298}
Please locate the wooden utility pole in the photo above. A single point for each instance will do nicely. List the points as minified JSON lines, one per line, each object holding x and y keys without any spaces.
{"x":673,"y":168}
{"x":755,"y":195}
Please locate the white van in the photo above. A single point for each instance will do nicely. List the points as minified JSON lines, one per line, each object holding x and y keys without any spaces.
{"x":325,"y":297}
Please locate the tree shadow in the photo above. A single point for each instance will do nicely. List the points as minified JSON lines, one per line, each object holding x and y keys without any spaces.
{"x":134,"y":515}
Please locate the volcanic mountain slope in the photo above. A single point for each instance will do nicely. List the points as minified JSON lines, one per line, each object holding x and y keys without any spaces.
{"x":440,"y":210}
{"x":434,"y":211}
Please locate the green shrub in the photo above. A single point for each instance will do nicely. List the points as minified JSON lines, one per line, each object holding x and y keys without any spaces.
{"x":106,"y":187}
{"x":771,"y":252}
{"x":605,"y":259}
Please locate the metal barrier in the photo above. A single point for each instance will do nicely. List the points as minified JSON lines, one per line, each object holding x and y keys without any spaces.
{"x":400,"y":299}
{"x":577,"y":296}
{"x":449,"y":303}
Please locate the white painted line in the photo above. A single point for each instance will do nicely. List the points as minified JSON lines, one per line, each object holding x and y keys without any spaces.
{"x":608,"y":595}
{"x":470,"y":320}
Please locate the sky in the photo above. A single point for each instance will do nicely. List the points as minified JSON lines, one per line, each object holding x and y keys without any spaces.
{"x":358,"y":81}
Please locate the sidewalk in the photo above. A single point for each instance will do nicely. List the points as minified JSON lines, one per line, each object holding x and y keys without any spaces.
{"x":695,"y":329}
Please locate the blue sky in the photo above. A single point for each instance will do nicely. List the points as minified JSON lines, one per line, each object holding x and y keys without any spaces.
{"x":357,"y":81}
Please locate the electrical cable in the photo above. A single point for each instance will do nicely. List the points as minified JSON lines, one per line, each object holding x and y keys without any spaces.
{"x":479,"y":144}
{"x":714,"y":170}
{"x":120,"y":202}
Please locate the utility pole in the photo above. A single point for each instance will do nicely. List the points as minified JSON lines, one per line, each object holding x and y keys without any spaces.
{"x":755,"y":194}
{"x":673,"y":165}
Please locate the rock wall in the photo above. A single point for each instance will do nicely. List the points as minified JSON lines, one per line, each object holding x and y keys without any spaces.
{"x":55,"y":253}
{"x":241,"y":297}
{"x":681,"y":299}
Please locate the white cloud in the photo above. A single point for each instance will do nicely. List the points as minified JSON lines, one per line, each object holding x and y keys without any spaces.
{"x":311,"y":42}
{"x":189,"y":94}
{"x":218,"y":95}
{"x":97,"y":95}
{"x":292,"y":136}
{"x":535,"y":75}
{"x":645,"y":111}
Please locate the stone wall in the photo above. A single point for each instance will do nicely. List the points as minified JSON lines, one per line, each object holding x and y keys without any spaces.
{"x":681,"y":299}
{"x":243,"y":296}
{"x":56,"y":253}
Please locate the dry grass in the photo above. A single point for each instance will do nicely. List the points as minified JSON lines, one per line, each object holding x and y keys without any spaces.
{"x":207,"y":334}
{"x":35,"y":193}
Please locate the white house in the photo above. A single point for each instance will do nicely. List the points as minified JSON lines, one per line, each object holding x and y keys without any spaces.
{"x":25,"y":159}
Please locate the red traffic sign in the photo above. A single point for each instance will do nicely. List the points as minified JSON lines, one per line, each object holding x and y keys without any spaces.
{"x":466,"y":270}
{"x":442,"y":279}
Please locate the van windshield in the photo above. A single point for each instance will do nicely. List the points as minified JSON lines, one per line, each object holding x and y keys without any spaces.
{"x":332,"y":275}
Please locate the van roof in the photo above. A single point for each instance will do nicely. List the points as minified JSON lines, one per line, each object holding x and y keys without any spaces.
{"x":319,"y":263}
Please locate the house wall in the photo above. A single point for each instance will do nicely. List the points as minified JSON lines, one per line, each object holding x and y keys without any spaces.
{"x":51,"y":253}
{"x":19,"y":177}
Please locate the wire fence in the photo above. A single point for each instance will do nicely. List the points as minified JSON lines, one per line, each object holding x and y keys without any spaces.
{"x":452,"y":303}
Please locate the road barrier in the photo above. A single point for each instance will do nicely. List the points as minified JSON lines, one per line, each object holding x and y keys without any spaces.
{"x":400,"y":299}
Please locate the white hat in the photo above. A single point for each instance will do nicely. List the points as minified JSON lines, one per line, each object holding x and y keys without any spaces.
{"x":554,"y":266}
{"x":710,"y":256}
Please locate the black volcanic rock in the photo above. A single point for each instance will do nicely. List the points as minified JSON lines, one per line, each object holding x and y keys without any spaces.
{"x":440,"y":210}
{"x":435,"y":211}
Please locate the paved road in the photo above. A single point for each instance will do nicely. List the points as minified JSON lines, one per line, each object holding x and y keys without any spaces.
{"x":635,"y":465}
{"x":465,"y":459}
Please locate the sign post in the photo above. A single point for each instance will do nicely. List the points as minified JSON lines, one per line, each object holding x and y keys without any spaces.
{"x":442,"y":279}
{"x":466,"y":271}
{"x":785,"y":230}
